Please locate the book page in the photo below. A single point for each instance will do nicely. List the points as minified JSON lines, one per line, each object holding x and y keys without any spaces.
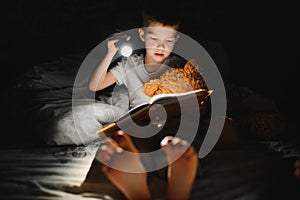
{"x":155,"y":98}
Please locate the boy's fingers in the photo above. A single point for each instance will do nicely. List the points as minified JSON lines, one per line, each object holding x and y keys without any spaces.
{"x":119,"y":34}
{"x":113,"y":40}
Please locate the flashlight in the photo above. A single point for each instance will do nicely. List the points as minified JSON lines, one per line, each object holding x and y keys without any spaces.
{"x":125,"y":47}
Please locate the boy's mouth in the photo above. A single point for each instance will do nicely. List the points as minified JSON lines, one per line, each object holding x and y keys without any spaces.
{"x":159,"y":54}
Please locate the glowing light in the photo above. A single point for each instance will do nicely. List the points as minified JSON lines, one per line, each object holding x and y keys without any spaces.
{"x":125,"y":48}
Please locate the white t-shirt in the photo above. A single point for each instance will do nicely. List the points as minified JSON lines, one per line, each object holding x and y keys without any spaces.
{"x":132,"y":73}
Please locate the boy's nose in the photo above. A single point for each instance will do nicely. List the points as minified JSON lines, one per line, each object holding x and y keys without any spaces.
{"x":161,"y":45}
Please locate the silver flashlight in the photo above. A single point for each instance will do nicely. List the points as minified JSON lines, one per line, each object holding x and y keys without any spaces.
{"x":125,"y":47}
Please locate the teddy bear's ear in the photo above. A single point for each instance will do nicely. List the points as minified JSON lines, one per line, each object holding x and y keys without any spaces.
{"x":192,"y":64}
{"x":177,"y":63}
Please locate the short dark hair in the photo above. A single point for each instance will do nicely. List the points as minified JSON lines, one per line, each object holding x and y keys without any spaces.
{"x":160,"y":15}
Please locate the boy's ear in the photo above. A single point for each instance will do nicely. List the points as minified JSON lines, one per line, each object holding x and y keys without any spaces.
{"x":177,"y":37}
{"x":142,"y":34}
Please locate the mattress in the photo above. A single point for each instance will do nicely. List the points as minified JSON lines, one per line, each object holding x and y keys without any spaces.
{"x":256,"y":171}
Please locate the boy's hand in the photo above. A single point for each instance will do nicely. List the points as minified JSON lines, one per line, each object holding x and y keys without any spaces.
{"x":113,"y":40}
{"x":111,"y":46}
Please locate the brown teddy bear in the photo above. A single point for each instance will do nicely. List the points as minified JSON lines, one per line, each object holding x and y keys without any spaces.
{"x":188,"y":78}
{"x":176,"y":80}
{"x":249,"y":121}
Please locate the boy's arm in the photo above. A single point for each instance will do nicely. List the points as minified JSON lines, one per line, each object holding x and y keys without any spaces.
{"x":101,"y":77}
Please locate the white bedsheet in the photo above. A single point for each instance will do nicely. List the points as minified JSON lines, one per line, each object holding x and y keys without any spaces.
{"x":42,"y":173}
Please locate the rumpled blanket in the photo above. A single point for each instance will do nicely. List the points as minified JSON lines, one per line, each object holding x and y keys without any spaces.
{"x":43,"y":100}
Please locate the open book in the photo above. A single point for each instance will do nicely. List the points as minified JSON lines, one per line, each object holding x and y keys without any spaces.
{"x":140,"y":115}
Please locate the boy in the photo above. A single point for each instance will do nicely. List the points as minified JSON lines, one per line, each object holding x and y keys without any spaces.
{"x":159,"y":36}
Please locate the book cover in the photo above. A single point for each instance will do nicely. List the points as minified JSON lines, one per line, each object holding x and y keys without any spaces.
{"x":157,"y":111}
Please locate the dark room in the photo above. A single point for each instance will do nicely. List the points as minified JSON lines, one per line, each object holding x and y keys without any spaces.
{"x":70,"y":111}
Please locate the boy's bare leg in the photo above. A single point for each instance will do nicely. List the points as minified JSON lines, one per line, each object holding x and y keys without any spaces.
{"x":181,"y":172}
{"x":133,"y":185}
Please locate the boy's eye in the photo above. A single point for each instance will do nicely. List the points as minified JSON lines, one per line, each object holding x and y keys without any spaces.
{"x":153,"y":38}
{"x":171,"y":41}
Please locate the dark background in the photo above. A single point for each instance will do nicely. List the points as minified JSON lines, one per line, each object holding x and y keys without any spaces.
{"x":259,"y":38}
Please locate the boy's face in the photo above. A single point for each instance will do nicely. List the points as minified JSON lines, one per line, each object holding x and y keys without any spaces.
{"x":159,"y":41}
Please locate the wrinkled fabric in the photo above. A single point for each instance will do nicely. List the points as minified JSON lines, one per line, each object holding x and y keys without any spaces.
{"x":43,"y":99}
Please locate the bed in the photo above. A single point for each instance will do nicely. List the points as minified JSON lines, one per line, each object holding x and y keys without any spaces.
{"x":44,"y":154}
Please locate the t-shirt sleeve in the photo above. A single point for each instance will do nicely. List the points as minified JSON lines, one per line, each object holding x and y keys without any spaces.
{"x":118,"y":72}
